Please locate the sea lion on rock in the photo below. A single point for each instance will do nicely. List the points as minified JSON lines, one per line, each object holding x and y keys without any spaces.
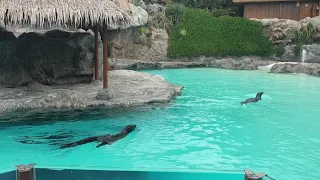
{"x":253,"y":100}
{"x":104,"y":139}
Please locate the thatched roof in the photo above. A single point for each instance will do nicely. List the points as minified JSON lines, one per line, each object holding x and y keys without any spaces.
{"x":62,"y":13}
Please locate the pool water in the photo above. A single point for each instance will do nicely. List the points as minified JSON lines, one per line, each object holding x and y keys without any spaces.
{"x":204,"y":129}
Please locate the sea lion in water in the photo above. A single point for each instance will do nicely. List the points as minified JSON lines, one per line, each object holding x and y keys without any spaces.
{"x":104,"y":139}
{"x":253,"y":100}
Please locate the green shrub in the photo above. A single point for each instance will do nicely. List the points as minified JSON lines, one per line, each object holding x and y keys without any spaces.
{"x":304,"y":35}
{"x":144,"y":30}
{"x":175,"y":12}
{"x":222,"y":12}
{"x":279,"y":51}
{"x":297,"y":49}
{"x":183,"y":32}
{"x":223,"y":36}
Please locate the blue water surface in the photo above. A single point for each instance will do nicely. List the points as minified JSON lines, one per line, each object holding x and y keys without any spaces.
{"x":204,"y":129}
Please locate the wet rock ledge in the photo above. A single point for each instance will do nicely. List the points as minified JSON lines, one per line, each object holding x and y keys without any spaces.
{"x":126,"y":88}
{"x":312,"y":69}
{"x":244,"y":63}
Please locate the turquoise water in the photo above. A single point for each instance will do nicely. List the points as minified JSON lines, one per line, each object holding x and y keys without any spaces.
{"x":204,"y":129}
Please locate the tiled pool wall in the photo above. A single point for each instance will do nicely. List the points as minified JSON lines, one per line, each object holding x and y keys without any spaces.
{"x":68,"y":174}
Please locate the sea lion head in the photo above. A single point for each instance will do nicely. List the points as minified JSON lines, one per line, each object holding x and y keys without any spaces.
{"x":130,"y":128}
{"x":259,"y":94}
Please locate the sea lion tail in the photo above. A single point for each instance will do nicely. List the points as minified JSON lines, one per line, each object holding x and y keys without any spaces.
{"x":243,"y":102}
{"x":77,"y":143}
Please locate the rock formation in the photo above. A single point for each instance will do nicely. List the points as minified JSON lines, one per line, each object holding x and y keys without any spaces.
{"x":126,"y":88}
{"x":281,"y":32}
{"x":12,"y":71}
{"x":312,"y":69}
{"x":133,"y":44}
{"x":312,"y":53}
{"x":56,"y":57}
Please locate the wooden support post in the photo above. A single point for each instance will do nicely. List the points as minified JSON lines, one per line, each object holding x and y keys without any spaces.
{"x":105,"y":57}
{"x":96,"y":55}
{"x":26,"y":172}
{"x":280,"y":9}
{"x":250,"y":175}
{"x":318,"y":8}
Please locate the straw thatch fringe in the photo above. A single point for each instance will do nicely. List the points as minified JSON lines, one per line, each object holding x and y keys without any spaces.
{"x":62,"y":13}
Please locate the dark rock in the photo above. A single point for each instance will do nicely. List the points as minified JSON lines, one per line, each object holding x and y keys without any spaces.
{"x":307,"y":68}
{"x":58,"y":34}
{"x":57,"y":57}
{"x":12,"y":72}
{"x":312,"y":53}
{"x":6,"y":35}
{"x":316,"y":37}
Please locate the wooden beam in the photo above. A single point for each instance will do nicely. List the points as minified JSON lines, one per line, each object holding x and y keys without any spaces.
{"x":105,"y":57}
{"x":245,"y":11}
{"x":280,"y":9}
{"x":24,"y":172}
{"x":96,"y":54}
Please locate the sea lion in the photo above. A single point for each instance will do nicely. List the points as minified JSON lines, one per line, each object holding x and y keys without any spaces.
{"x":253,"y":100}
{"x":104,"y":139}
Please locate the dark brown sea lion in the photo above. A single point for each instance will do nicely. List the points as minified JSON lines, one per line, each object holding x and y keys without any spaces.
{"x":253,"y":100}
{"x":104,"y":139}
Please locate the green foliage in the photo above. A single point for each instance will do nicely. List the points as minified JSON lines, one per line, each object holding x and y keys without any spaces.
{"x":204,"y":4}
{"x":304,"y":35}
{"x":223,"y":36}
{"x":297,"y":49}
{"x":279,"y":51}
{"x":221,"y":12}
{"x":175,"y":12}
{"x":144,"y":30}
{"x":183,"y":32}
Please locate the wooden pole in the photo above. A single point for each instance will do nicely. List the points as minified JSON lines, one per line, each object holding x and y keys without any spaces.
{"x":26,"y":172}
{"x":105,"y":58}
{"x":96,"y":57}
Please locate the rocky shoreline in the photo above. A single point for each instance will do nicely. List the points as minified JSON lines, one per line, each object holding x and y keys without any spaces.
{"x":126,"y":89}
{"x":312,"y":69}
{"x":223,"y":63}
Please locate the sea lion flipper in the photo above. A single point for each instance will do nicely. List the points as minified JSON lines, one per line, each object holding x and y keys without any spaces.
{"x":102,"y":144}
{"x":77,"y":143}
